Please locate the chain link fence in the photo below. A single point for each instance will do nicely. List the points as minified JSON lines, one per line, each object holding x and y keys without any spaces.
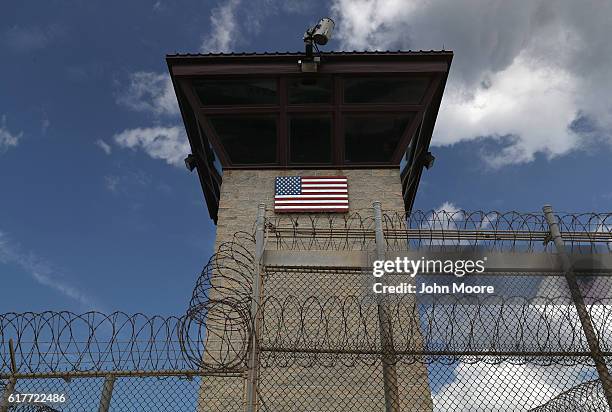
{"x":313,"y":337}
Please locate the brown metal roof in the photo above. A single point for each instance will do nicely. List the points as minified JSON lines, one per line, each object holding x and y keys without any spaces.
{"x":436,"y":56}
{"x":327,"y":53}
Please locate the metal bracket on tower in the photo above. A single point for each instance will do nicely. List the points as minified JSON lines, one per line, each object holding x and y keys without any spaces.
{"x":581,"y":309}
{"x":9,"y":389}
{"x":317,"y":35}
{"x":253,"y":360}
{"x":388,"y":357}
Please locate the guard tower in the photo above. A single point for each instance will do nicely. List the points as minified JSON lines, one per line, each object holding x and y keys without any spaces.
{"x":364,"y":116}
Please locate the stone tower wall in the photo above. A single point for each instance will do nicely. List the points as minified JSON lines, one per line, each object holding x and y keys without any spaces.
{"x":294,"y":388}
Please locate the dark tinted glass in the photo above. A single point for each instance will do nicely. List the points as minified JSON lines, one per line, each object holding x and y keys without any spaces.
{"x":373,"y":138}
{"x":236,"y":92}
{"x":247,"y":139}
{"x":310,"y":139}
{"x":385,"y":90}
{"x":306,"y":90}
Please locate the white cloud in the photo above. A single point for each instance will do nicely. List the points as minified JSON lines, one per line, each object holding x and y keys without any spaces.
{"x":444,"y":217}
{"x":153,"y":93}
{"x":224,"y":32}
{"x":45,"y":123}
{"x":112,"y":182}
{"x":127,"y":181}
{"x":7,"y":138}
{"x":44,"y":126}
{"x":470,"y":387}
{"x":25,"y":38}
{"x":40,"y":270}
{"x":150,"y":92}
{"x":522,"y":73}
{"x":448,"y":207}
{"x":470,"y":390}
{"x":166,"y":143}
{"x":106,"y":148}
{"x":233,"y":21}
{"x":531,"y":105}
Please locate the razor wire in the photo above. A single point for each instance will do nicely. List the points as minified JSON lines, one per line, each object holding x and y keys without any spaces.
{"x":321,"y":330}
{"x":93,"y":341}
{"x":65,"y":341}
{"x":540,"y":331}
{"x":586,"y":397}
{"x":312,"y":330}
{"x":214,"y":333}
{"x":493,"y":230}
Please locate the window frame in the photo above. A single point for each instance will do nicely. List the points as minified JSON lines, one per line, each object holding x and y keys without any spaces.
{"x":395,"y":76}
{"x":337,"y":109}
{"x":350,"y":113}
{"x":250,"y":115}
{"x":331,"y":136}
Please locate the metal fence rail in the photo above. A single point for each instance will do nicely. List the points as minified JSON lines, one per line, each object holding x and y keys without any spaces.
{"x":504,"y":231}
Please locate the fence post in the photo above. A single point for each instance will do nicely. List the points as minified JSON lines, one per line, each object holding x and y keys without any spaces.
{"x":386,"y":330}
{"x":12,"y":382}
{"x":107,"y":393}
{"x":253,"y":363}
{"x":578,"y":300}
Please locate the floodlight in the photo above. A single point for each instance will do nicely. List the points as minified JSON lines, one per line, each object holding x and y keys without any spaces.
{"x":190,"y":162}
{"x":428,"y":160}
{"x":322,"y":32}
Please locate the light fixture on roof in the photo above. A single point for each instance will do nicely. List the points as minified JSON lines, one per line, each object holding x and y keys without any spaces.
{"x":191,"y":162}
{"x":317,"y":35}
{"x":428,"y":160}
{"x":321,"y":33}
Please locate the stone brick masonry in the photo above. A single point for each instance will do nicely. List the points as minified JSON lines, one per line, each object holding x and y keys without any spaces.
{"x":334,"y":388}
{"x":243,"y":190}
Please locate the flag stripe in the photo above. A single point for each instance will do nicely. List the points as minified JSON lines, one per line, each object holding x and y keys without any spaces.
{"x":304,"y":186}
{"x":310,"y":207}
{"x":327,"y":201}
{"x":324,"y":177}
{"x":323,"y":180}
{"x":312,"y":196}
{"x":322,"y":191}
{"x":324,"y":199}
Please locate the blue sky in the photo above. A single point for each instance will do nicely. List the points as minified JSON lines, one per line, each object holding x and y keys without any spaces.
{"x":97,"y":212}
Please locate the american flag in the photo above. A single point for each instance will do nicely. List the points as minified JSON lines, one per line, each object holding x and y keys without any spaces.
{"x":311,"y":194}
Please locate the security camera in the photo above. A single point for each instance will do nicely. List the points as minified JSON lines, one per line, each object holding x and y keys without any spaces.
{"x":322,"y":32}
{"x":317,"y":35}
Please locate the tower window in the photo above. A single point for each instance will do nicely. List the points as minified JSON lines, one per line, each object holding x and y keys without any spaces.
{"x":385,"y":89}
{"x":373,"y":138}
{"x":310,"y":139}
{"x":236,"y":92}
{"x":247,"y":139}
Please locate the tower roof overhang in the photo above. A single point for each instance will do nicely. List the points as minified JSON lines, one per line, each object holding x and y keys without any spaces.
{"x":262,"y":111}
